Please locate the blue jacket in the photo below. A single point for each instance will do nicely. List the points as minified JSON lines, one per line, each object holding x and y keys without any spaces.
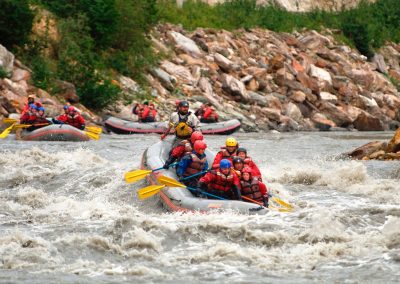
{"x":186,"y":161}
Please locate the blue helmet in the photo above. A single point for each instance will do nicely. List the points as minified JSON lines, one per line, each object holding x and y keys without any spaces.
{"x":225,"y":164}
{"x":33,"y":106}
{"x":65,"y":107}
{"x":40,"y":109}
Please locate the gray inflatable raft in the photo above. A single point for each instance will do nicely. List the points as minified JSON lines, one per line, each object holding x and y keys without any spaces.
{"x":55,"y":132}
{"x":121,"y":126}
{"x":181,"y":199}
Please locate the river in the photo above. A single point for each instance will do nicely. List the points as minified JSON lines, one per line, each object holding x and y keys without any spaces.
{"x":66,"y":216}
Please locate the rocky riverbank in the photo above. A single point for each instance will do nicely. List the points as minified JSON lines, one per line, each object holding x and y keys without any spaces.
{"x":304,"y":81}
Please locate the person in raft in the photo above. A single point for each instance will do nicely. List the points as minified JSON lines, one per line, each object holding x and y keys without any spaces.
{"x":251,"y":187}
{"x":184,"y":122}
{"x":227,"y":152}
{"x":35,"y":116}
{"x":72,"y":118}
{"x":238,"y":165}
{"x":222,"y":182}
{"x":147,"y":113}
{"x":207,"y":114}
{"x":242,"y":153}
{"x":183,"y":147}
{"x":193,"y":163}
{"x":31,"y":100}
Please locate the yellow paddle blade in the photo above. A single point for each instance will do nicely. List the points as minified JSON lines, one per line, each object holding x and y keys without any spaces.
{"x":7,"y":131}
{"x":91,"y":135}
{"x":9,"y":120}
{"x":149,"y":191}
{"x":279,"y":209}
{"x":136,"y":175}
{"x":169,"y":181}
{"x":281,"y":202}
{"x":94,"y":129}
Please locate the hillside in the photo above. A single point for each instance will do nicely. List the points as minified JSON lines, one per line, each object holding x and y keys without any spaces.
{"x":305,"y":79}
{"x":300,"y":5}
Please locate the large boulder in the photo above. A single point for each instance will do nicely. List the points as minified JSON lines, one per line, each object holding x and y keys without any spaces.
{"x":367,"y":122}
{"x":6,"y":60}
{"x":181,"y":73}
{"x":234,"y":87}
{"x":394,"y":144}
{"x":67,"y":91}
{"x":367,"y":149}
{"x":185,"y":44}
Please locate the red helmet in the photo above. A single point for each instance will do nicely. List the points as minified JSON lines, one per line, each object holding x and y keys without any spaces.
{"x":71,"y":109}
{"x":177,"y":102}
{"x":246,"y":170}
{"x":199,"y":145}
{"x":196,"y":136}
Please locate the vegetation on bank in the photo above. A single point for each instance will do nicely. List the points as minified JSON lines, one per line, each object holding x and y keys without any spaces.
{"x":100,"y":38}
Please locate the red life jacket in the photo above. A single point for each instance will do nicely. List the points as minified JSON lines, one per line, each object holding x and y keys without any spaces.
{"x":76,"y":121}
{"x":251,"y":189}
{"x":222,"y":182}
{"x":196,"y":166}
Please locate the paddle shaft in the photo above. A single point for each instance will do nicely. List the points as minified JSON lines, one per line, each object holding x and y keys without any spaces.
{"x":174,"y":164}
{"x":195,"y":175}
{"x":205,"y":193}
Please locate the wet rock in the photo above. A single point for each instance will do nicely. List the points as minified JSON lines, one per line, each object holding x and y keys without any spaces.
{"x":367,"y":149}
{"x":394,"y":143}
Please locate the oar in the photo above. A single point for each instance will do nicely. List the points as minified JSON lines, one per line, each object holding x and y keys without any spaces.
{"x":269,"y":206}
{"x":141,"y":174}
{"x":29,"y":125}
{"x":94,"y":129}
{"x":7,"y":131}
{"x":195,"y":175}
{"x":149,"y":191}
{"x":281,"y":202}
{"x":91,"y":135}
{"x":9,"y":120}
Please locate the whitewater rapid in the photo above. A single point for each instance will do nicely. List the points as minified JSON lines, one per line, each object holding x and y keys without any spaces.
{"x":66,"y":216}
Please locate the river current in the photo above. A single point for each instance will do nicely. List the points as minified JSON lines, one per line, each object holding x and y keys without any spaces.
{"x":67,"y":216}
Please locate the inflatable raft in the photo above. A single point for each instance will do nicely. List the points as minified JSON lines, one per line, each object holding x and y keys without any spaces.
{"x":121,"y":126}
{"x":55,"y":132}
{"x":181,"y":199}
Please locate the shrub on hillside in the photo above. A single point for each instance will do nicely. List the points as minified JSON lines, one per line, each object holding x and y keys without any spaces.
{"x":15,"y":22}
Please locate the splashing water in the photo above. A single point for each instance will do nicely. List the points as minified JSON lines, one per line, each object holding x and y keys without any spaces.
{"x":66,"y":216}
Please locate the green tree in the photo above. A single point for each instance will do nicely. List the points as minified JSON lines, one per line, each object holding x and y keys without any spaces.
{"x":15,"y":22}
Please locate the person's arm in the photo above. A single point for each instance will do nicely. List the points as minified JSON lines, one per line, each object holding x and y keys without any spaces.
{"x":183,"y":164}
{"x":145,"y":113}
{"x":236,"y":187}
{"x":207,"y":112}
{"x":217,"y":160}
{"x":170,"y":125}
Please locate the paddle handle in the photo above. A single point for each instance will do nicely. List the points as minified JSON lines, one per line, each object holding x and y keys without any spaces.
{"x":195,"y":175}
{"x":174,"y":164}
{"x":205,"y":193}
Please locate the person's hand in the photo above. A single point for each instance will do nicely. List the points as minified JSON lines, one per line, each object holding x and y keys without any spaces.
{"x":165,"y":167}
{"x":180,"y":178}
{"x":163,"y":136}
{"x":265,"y":200}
